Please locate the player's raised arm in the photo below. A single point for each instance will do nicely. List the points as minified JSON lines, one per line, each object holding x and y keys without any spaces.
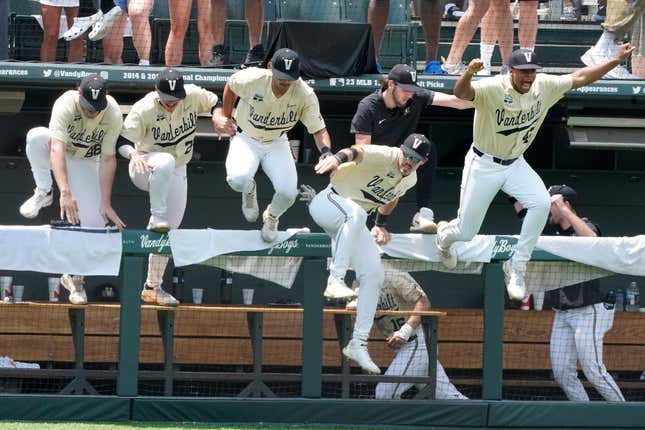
{"x":330,"y":164}
{"x":464,"y":88}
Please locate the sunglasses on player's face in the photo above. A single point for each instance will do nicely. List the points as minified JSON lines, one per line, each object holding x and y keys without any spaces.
{"x":412,"y":158}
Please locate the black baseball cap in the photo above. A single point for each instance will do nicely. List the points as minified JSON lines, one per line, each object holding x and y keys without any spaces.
{"x":285,"y":64}
{"x":568,"y":194}
{"x":405,"y":77}
{"x":524,"y":59}
{"x":417,"y":145}
{"x":170,"y":85}
{"x":93,"y":93}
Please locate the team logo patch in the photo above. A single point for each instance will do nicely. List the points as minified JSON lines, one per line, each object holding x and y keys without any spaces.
{"x":508,"y":99}
{"x":391,"y":174}
{"x":172,"y":83}
{"x":160,"y":117}
{"x":258,"y":97}
{"x":287,"y":63}
{"x":95,"y":93}
{"x":77,"y":117}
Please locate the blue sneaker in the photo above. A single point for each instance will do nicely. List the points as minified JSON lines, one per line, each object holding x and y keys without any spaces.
{"x":379,"y":68}
{"x":434,"y":68}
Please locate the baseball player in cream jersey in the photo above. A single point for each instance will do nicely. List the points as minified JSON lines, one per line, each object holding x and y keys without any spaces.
{"x":162,"y":126}
{"x":365,"y":178}
{"x":401,"y":292}
{"x":79,"y":147}
{"x":509,"y":110}
{"x":268,"y":103}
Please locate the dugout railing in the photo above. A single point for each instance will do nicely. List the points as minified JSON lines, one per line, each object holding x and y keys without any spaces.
{"x":310,"y":408}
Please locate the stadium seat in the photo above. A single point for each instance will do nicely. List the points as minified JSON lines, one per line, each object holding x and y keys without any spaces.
{"x":399,"y":12}
{"x":310,"y":10}
{"x":355,"y":10}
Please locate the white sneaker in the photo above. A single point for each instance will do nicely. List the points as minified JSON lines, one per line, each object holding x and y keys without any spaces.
{"x":33,"y":205}
{"x":158,"y":224}
{"x":81,"y":25}
{"x":105,"y":23}
{"x":448,"y":258}
{"x":250,"y":207}
{"x":453,"y":69}
{"x":158,"y":296}
{"x":515,"y":285}
{"x":423,"y":222}
{"x":337,"y":289}
{"x":74,"y":284}
{"x":484,"y":72}
{"x":270,"y":227}
{"x":357,"y":351}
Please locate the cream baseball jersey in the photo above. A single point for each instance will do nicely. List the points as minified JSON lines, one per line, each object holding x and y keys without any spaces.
{"x":153,"y":129}
{"x":85,"y":137}
{"x":400,"y":292}
{"x":507,"y":121}
{"x":265,"y":117}
{"x":374,"y":181}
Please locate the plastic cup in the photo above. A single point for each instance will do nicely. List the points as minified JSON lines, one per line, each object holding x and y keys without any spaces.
{"x":198,"y":295}
{"x":538,"y":300}
{"x":247,"y":295}
{"x":54,"y":288}
{"x":295,"y":148}
{"x":525,"y":305}
{"x":5,"y":285}
{"x":18,"y":291}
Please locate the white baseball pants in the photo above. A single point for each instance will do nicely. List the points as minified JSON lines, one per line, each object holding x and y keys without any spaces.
{"x":481,"y":179}
{"x":577,"y":335}
{"x":352,"y":246}
{"x":168,"y":189}
{"x":412,"y":360}
{"x":245,"y":155}
{"x":82,"y":175}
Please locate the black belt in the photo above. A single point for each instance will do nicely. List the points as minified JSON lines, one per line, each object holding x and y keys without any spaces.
{"x":495,"y":159}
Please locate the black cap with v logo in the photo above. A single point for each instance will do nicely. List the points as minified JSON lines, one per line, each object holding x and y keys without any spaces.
{"x":285,"y":64}
{"x":93,"y":93}
{"x":170,"y":85}
{"x":524,"y":59}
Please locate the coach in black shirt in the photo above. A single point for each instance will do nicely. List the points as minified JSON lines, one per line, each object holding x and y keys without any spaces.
{"x":392,"y":113}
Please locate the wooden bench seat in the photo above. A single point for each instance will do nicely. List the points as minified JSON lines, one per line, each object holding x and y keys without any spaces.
{"x":41,"y":332}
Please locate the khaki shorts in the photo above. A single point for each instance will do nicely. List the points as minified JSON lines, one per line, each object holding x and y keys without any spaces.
{"x":621,"y":17}
{"x":638,"y":37}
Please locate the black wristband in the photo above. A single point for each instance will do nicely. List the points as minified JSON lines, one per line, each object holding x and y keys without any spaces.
{"x":324,"y":150}
{"x":341,"y":157}
{"x":354,"y":153}
{"x":512,"y":200}
{"x":381,"y":219}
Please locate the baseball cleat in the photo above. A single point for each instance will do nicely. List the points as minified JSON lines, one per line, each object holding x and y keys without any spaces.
{"x":158,"y":296}
{"x":81,"y":25}
{"x":357,"y":351}
{"x":33,"y":205}
{"x":337,"y":289}
{"x":158,"y":224}
{"x":515,"y":285}
{"x":105,"y":23}
{"x":446,"y":255}
{"x":250,"y":208}
{"x":423,"y":222}
{"x":74,"y":284}
{"x":270,"y":227}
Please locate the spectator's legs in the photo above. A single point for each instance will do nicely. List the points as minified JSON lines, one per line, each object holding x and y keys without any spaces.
{"x":466,"y":29}
{"x":204,"y":29}
{"x":377,"y":14}
{"x":638,"y":40}
{"x":488,"y":39}
{"x":113,"y":42}
{"x":51,"y":25}
{"x":218,"y":21}
{"x":179,"y":16}
{"x":504,"y":24}
{"x":254,"y":10}
{"x":431,"y":22}
{"x":75,"y":50}
{"x":139,"y":11}
{"x":528,"y":24}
